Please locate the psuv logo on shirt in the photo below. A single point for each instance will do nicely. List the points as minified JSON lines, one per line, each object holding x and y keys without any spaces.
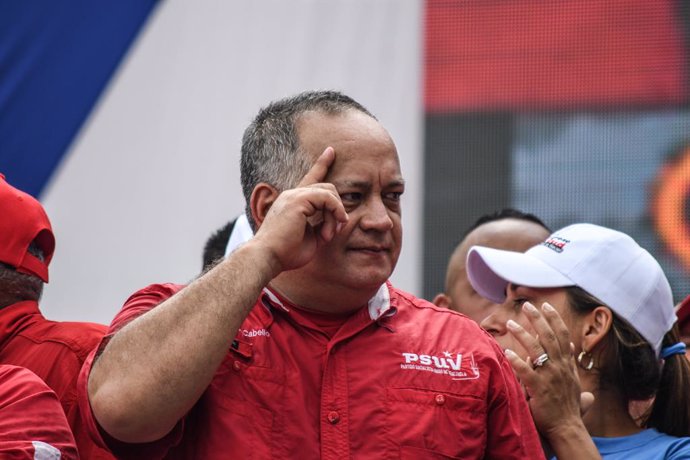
{"x":455,"y":366}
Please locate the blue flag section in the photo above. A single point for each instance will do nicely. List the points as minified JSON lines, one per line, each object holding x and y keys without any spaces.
{"x":55,"y":60}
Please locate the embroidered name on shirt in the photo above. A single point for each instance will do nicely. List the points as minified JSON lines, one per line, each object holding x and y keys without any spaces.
{"x":445,"y":365}
{"x":255,"y":333}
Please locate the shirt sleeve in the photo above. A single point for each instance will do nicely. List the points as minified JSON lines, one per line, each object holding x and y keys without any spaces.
{"x":511,"y":430}
{"x":32,"y":422}
{"x":680,"y":450}
{"x":139,"y":303}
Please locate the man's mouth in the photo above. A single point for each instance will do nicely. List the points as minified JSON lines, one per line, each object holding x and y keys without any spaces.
{"x":372,"y":249}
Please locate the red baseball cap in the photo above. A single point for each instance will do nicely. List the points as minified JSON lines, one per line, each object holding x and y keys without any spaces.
{"x":22,"y":221}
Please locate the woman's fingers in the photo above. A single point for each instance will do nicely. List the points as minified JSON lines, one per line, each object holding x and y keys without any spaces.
{"x":528,"y":341}
{"x":551,"y":331}
{"x":557,"y":325}
{"x":522,"y":368}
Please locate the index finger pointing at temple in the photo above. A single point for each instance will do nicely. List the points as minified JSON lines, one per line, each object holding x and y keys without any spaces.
{"x":319,"y":169}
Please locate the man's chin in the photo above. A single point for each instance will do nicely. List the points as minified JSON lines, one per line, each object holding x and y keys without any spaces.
{"x":367,"y":280}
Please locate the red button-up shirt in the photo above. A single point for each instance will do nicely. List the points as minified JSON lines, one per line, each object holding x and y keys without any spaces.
{"x":55,"y":351}
{"x":32,"y":423}
{"x":399,"y":379}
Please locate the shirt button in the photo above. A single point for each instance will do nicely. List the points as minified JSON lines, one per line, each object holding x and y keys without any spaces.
{"x":333,"y":417}
{"x":440,"y":400}
{"x":236,"y":365}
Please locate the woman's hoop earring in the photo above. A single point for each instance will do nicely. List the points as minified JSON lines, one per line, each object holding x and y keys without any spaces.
{"x":581,"y":356}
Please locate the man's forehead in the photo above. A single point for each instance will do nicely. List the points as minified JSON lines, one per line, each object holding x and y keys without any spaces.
{"x":322,"y":117}
{"x":312,"y":121}
{"x":324,"y":128}
{"x":508,"y":233}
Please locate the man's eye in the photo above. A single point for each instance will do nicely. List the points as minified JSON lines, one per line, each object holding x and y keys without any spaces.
{"x":350,"y":197}
{"x":393,"y":196}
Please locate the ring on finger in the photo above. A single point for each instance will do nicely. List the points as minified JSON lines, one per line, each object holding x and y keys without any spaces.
{"x":540,"y":360}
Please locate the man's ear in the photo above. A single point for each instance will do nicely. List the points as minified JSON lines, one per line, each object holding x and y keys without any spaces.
{"x":263,"y":197}
{"x":442,"y":300}
{"x":595,"y":325}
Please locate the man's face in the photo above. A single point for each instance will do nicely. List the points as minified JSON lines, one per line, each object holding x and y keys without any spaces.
{"x":508,"y":234}
{"x":366,"y":174}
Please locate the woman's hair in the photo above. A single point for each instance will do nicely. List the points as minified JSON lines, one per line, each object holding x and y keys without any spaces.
{"x":627,"y":362}
{"x":671,"y":410}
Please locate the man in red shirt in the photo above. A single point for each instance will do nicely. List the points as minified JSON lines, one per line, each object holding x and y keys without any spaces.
{"x":55,"y":351}
{"x":32,"y":423}
{"x":296,"y":345}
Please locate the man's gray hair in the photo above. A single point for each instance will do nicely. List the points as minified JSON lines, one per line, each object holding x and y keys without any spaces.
{"x":271,"y":152}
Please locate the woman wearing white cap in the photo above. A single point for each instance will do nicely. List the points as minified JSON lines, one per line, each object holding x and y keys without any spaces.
{"x":597,"y":288}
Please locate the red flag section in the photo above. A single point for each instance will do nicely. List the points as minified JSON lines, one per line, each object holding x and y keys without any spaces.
{"x":550,"y":55}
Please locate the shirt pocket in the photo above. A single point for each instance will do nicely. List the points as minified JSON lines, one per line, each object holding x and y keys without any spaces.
{"x":239,"y":421}
{"x":445,"y":425}
{"x":417,"y":453}
{"x":240,"y":430}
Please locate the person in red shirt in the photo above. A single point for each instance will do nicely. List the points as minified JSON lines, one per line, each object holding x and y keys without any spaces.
{"x":55,"y":351}
{"x":296,"y":345}
{"x":32,"y":423}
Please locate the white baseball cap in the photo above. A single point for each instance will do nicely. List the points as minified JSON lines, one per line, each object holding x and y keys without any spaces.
{"x":241,"y":233}
{"x":606,"y":263}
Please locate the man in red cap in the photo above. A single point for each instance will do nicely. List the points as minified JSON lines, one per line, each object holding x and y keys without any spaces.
{"x":52,"y":350}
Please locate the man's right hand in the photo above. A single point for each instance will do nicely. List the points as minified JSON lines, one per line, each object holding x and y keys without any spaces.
{"x":303,"y":218}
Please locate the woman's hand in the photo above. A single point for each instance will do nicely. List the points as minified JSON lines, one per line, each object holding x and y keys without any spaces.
{"x":551,"y":382}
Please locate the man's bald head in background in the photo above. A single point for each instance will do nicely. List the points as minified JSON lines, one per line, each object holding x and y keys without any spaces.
{"x":508,"y":229}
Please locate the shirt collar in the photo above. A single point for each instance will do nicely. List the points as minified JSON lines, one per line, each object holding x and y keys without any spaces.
{"x":16,"y":317}
{"x":274,"y":300}
{"x":379,"y":305}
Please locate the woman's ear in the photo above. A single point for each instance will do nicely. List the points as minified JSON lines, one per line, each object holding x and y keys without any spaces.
{"x":263,"y":197}
{"x":595,"y":325}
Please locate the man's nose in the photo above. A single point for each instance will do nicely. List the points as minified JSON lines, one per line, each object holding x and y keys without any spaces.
{"x":377,"y":216}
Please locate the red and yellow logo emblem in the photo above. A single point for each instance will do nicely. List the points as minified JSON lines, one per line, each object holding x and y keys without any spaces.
{"x":669,"y":204}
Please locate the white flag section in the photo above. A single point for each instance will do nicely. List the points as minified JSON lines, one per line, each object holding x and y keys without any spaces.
{"x":155,"y":170}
